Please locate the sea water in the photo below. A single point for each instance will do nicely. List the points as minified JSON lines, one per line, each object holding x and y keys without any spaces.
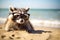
{"x":47,"y":14}
{"x":39,"y":16}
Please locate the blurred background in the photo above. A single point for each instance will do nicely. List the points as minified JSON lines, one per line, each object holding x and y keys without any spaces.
{"x":47,"y":10}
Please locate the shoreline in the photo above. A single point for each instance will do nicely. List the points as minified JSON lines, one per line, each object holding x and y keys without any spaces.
{"x":42,"y":23}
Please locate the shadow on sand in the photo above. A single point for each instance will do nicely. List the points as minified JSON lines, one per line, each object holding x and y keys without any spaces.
{"x":38,"y":31}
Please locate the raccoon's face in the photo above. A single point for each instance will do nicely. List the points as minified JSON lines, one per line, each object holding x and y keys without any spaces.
{"x":19,"y":15}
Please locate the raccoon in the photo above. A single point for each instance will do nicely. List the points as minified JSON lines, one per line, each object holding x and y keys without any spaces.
{"x":18,"y":19}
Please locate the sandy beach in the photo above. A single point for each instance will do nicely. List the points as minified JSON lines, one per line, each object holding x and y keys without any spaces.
{"x":44,"y":30}
{"x":42,"y":15}
{"x":42,"y":33}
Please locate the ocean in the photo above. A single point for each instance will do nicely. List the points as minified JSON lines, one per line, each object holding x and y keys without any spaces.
{"x":38,"y":15}
{"x":45,"y":14}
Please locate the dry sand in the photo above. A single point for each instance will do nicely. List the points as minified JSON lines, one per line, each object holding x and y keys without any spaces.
{"x":42,"y":33}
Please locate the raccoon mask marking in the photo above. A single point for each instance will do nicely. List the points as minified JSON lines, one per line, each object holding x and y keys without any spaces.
{"x":19,"y":15}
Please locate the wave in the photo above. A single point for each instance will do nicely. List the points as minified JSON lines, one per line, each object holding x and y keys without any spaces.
{"x":45,"y":23}
{"x":2,"y":20}
{"x":40,"y":23}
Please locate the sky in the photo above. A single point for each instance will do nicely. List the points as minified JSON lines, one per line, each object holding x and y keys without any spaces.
{"x":40,"y":4}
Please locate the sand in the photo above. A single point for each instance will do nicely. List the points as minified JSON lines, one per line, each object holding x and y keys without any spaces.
{"x":42,"y":33}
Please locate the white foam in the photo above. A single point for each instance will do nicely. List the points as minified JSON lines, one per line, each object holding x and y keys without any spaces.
{"x":2,"y":20}
{"x":40,"y":23}
{"x":46,"y":23}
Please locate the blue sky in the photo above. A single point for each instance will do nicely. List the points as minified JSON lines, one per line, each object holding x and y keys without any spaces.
{"x":41,"y":4}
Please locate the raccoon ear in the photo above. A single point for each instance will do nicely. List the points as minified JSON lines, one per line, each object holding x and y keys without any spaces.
{"x":27,"y":9}
{"x":12,"y":9}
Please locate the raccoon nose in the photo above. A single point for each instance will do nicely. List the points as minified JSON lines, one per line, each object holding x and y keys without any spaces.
{"x":21,"y":20}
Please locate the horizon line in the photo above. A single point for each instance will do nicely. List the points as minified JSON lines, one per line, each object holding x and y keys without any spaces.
{"x":34,"y":8}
